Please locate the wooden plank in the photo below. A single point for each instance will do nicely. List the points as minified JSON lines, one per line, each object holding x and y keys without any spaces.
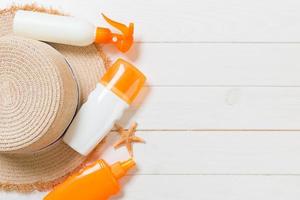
{"x":179,"y":187}
{"x":211,"y":153}
{"x":196,"y":21}
{"x":216,"y":108}
{"x":216,"y":64}
{"x":193,"y":20}
{"x":209,"y":21}
{"x":211,"y":187}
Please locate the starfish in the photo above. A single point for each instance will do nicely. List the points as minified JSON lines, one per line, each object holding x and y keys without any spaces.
{"x":128,"y":137}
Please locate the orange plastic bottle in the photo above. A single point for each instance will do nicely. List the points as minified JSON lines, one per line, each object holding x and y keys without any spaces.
{"x":98,"y":181}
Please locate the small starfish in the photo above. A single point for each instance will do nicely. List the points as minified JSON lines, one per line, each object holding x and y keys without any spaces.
{"x":128,"y":137}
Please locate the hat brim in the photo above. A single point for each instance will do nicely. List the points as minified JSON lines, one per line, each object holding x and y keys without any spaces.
{"x":43,"y":170}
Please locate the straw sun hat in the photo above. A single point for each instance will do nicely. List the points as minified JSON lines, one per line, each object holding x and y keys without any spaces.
{"x":41,"y":87}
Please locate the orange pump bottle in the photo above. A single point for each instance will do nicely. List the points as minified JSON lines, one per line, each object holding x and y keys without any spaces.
{"x":98,"y":181}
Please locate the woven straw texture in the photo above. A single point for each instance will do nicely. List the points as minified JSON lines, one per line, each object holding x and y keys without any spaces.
{"x":41,"y":87}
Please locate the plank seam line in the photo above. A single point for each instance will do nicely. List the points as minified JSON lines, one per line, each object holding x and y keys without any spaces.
{"x":218,"y":130}
{"x":221,"y":86}
{"x":214,"y":174}
{"x":217,"y":42}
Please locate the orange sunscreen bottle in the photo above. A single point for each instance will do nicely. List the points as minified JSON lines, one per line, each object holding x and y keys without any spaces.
{"x":95,"y":182}
{"x":70,"y":30}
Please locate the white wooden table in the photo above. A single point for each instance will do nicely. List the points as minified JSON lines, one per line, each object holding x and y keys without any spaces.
{"x":221,"y":111}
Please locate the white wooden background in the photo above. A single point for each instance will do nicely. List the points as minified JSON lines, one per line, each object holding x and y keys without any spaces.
{"x":221,"y":111}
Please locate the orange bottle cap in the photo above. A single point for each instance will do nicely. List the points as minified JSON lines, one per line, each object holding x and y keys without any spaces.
{"x":119,"y":169}
{"x":124,"y":80}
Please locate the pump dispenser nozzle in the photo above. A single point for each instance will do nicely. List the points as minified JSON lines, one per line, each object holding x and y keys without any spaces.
{"x":122,"y":41}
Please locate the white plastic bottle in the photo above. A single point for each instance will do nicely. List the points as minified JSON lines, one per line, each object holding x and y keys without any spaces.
{"x":117,"y":89}
{"x":69,"y":30}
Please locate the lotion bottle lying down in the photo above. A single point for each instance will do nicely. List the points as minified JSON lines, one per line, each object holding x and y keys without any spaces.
{"x":97,"y":181}
{"x":70,"y":30}
{"x":113,"y":94}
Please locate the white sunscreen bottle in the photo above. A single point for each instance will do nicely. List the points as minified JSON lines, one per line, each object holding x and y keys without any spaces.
{"x":113,"y":94}
{"x":70,"y":30}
